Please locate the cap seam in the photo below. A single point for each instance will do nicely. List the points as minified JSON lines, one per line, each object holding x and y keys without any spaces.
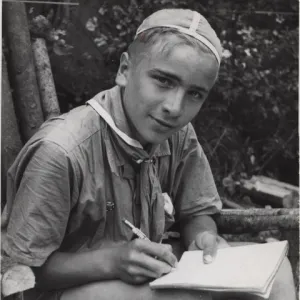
{"x":194,"y":34}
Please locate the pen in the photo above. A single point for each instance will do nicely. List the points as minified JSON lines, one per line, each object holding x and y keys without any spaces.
{"x":135,"y":230}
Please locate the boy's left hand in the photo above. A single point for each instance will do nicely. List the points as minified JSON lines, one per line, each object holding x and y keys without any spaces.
{"x":209,"y":242}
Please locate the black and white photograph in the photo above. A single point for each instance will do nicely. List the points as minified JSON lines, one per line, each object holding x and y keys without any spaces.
{"x":149,"y":150}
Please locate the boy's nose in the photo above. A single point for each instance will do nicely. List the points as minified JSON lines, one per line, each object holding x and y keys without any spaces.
{"x":173,"y":103}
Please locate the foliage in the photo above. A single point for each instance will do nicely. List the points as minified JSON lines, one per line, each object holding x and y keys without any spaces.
{"x":249,"y":123}
{"x":261,"y":96}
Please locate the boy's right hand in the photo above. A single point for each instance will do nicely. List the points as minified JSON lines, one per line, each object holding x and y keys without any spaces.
{"x":139,"y":260}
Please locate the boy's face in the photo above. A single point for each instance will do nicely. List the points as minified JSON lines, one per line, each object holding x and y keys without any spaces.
{"x":163,"y":93}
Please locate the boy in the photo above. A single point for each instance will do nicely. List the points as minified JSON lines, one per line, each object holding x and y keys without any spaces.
{"x":132,"y":154}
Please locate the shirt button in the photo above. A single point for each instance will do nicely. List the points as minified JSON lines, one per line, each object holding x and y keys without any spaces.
{"x":110,"y":206}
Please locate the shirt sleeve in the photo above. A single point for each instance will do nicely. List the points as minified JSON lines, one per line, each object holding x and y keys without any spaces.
{"x":41,"y":205}
{"x":196,"y":192}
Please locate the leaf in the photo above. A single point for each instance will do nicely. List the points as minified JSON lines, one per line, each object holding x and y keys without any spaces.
{"x":61,"y":50}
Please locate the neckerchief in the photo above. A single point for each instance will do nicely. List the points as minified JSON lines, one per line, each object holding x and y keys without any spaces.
{"x":149,"y":195}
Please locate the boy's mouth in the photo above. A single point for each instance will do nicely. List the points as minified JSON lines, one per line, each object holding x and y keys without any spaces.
{"x":162,"y":123}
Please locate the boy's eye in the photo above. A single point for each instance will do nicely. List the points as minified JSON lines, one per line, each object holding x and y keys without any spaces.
{"x":163,"y":80}
{"x":196,"y":95}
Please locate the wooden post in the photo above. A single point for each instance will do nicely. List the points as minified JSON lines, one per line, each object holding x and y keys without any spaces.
{"x":45,"y":79}
{"x":11,"y":141}
{"x":21,"y":69}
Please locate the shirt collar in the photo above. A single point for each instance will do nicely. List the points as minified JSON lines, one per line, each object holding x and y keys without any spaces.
{"x":111,"y":101}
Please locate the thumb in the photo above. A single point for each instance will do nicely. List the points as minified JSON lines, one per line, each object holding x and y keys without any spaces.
{"x":207,"y":241}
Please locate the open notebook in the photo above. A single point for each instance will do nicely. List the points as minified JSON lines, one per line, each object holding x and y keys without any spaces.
{"x":249,"y":269}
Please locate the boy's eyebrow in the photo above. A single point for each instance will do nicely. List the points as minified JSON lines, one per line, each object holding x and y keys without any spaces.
{"x":175,"y":77}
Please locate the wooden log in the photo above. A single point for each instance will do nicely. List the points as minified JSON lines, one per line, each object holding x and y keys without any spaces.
{"x":21,"y":69}
{"x":11,"y":141}
{"x":230,"y":204}
{"x":265,"y":190}
{"x":258,"y":237}
{"x":243,"y":203}
{"x":15,"y":277}
{"x":260,"y":212}
{"x":272,"y":181}
{"x":48,"y":96}
{"x":255,"y":220}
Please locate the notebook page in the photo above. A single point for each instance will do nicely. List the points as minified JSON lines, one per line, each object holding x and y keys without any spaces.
{"x":243,"y":268}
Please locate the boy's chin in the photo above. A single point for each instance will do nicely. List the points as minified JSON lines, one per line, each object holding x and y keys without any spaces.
{"x":155,"y":138}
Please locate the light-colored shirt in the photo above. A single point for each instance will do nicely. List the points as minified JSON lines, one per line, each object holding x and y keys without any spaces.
{"x":69,"y":188}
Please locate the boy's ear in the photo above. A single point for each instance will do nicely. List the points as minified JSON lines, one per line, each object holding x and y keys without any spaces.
{"x":122,"y":74}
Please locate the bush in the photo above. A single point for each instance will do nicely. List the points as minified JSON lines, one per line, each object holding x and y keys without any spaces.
{"x":249,"y":123}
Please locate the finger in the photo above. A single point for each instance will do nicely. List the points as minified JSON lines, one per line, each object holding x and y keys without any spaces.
{"x":222,"y":243}
{"x":140,"y":279}
{"x":139,"y":270}
{"x":135,"y":279}
{"x":162,"y":252}
{"x":155,"y":266}
{"x":207,"y":241}
{"x":193,"y":246}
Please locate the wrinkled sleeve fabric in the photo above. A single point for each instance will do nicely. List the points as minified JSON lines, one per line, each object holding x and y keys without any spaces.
{"x":41,"y":205}
{"x":196,"y":192}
